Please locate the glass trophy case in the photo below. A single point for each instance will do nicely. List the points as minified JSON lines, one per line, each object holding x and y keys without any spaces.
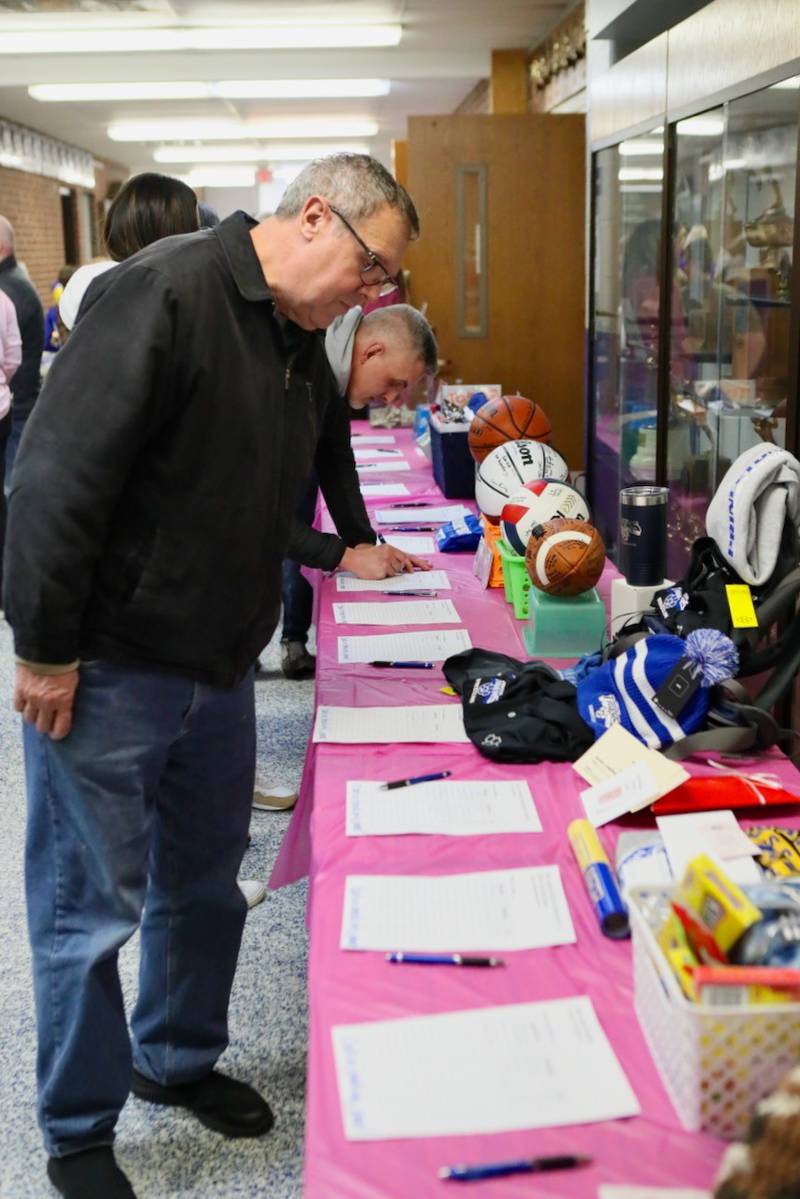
{"x":625,"y":333}
{"x":691,"y":347}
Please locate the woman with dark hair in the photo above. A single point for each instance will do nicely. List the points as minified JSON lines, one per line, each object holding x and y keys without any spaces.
{"x":145,"y":209}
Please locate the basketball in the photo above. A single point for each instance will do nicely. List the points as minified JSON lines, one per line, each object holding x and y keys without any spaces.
{"x":565,"y":557}
{"x":535,"y":503}
{"x":506,"y":419}
{"x":508,"y":468}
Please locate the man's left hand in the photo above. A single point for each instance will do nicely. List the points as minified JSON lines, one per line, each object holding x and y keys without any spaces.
{"x":380,"y":561}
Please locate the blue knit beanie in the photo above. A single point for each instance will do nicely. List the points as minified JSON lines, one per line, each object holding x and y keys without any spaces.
{"x":622,"y":691}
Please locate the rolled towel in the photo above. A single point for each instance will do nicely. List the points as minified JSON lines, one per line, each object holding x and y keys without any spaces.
{"x":747,"y":514}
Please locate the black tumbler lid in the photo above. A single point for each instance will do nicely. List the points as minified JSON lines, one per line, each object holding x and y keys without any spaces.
{"x":643,"y":497}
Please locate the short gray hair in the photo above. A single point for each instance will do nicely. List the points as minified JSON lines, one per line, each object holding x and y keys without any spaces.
{"x":401,"y":320}
{"x":7,"y":237}
{"x":355,"y":183}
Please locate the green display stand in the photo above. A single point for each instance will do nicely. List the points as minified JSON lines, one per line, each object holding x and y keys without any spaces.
{"x":516,"y":580}
{"x":563,"y":626}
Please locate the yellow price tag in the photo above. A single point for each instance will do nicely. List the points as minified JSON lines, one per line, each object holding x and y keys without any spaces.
{"x":740,"y":602}
{"x":448,"y":691}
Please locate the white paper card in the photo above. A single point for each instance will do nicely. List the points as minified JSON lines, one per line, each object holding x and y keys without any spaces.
{"x":632,"y":789}
{"x":385,"y":725}
{"x":431,"y":645}
{"x":370,"y":453}
{"x":412,"y":543}
{"x":392,"y":464}
{"x":617,"y":749}
{"x":420,"y":516}
{"x":397,"y":612}
{"x":373,"y":439}
{"x":484,"y":910}
{"x":691,"y":833}
{"x":492,"y":1069}
{"x":636,"y":1192}
{"x":443,"y":806}
{"x":380,"y":490}
{"x":427,"y":580}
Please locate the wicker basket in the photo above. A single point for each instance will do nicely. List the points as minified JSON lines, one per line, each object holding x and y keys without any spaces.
{"x":716,"y":1062}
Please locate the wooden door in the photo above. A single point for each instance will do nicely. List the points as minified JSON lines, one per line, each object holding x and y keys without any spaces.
{"x":530,"y":253}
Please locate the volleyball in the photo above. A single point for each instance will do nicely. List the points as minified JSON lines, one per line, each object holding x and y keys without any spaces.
{"x":565,"y":557}
{"x":535,"y":503}
{"x":510,"y":467}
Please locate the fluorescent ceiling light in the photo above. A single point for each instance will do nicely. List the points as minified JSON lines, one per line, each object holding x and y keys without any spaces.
{"x":250,"y":152}
{"x":628,"y":174}
{"x":221,"y":177}
{"x":637,"y":149}
{"x":701,"y":127}
{"x":199,"y":129}
{"x":229,"y":89}
{"x":200,"y":37}
{"x":787,"y":84}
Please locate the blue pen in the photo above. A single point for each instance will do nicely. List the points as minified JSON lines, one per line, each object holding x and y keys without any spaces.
{"x":442,"y":959}
{"x":523,"y":1165}
{"x":413,"y":529}
{"x":420,"y":778}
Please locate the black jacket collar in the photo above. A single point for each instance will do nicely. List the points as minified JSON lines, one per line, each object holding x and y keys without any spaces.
{"x":8,"y":263}
{"x":234,"y":235}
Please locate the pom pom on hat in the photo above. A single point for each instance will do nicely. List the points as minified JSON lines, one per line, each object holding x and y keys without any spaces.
{"x":715,"y":655}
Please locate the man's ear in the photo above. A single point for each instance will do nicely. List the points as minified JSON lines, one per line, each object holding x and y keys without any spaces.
{"x":315,"y":215}
{"x":373,"y":349}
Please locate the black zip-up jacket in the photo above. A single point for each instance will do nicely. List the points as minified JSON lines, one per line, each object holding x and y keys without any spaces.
{"x":30,"y":318}
{"x":154,"y":493}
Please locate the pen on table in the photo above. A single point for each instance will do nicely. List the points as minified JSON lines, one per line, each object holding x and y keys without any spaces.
{"x":442,"y":959}
{"x":418,"y":778}
{"x":525,"y":1165}
{"x":414,"y":529}
{"x":412,"y":665}
{"x":411,"y":504}
{"x":403,"y":594}
{"x":381,"y":538}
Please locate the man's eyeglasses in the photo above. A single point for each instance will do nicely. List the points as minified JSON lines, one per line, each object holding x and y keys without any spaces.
{"x":374,"y":273}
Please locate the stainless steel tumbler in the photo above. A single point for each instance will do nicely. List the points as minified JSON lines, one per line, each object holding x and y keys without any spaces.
{"x":643,"y":534}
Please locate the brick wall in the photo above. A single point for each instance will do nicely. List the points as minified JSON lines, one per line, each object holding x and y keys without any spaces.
{"x":33,"y":205}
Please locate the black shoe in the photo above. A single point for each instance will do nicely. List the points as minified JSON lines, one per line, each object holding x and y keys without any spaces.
{"x":296,"y":661}
{"x":90,"y":1174}
{"x":221,"y":1103}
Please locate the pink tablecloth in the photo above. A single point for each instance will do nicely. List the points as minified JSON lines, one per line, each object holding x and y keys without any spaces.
{"x":647,"y":1150}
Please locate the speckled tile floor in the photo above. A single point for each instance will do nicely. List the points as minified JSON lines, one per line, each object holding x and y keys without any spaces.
{"x":167,"y":1154}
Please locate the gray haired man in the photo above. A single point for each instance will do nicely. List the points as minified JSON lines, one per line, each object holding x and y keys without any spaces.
{"x":176,"y":430}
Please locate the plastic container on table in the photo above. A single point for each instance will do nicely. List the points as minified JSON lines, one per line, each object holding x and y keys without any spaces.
{"x":453,"y":464}
{"x":492,"y":535}
{"x":516,"y":579}
{"x":716,"y":1062}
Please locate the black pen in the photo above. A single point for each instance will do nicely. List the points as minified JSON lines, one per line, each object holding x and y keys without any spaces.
{"x":442,"y":959}
{"x":419,"y":778}
{"x":414,"y":529}
{"x":381,"y":538}
{"x":412,"y":665}
{"x":411,"y":504}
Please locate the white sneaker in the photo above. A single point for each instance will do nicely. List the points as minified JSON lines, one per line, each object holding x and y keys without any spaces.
{"x":274,"y":799}
{"x":253,"y":891}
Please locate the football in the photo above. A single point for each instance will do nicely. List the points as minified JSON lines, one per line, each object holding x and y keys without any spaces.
{"x":508,"y":418}
{"x":510,"y":467}
{"x":535,"y":503}
{"x":565,"y":557}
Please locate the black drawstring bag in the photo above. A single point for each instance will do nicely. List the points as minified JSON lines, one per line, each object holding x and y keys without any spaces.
{"x":517,"y":711}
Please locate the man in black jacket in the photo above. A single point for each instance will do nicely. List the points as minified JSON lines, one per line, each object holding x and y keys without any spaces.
{"x":151,"y":507}
{"x":25,"y":383}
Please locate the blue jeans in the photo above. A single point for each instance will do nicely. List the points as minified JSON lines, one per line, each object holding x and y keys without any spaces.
{"x":138,"y":817}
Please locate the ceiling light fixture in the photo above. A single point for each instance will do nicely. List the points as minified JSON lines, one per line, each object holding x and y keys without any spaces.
{"x":629,"y":174}
{"x":250,"y":152}
{"x":203,"y":130}
{"x":701,"y":127}
{"x":229,"y":89}
{"x":640,"y":149}
{"x":221,"y":177}
{"x":317,"y":36}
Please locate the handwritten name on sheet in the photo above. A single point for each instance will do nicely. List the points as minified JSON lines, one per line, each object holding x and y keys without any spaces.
{"x":524,"y":908}
{"x":433,"y":580}
{"x":421,"y":516}
{"x":422,"y":723}
{"x":412,"y":611}
{"x":447,"y":806}
{"x":432,"y":645}
{"x":490,"y":1069}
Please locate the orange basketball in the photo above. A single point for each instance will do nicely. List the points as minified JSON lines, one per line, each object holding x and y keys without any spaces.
{"x":565,"y":557}
{"x":506,"y":419}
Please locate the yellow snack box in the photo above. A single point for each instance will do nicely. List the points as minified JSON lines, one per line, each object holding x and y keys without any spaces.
{"x":674,"y":945}
{"x":713,"y":910}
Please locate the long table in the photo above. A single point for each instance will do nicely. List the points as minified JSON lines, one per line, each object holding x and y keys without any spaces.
{"x":345,"y":987}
